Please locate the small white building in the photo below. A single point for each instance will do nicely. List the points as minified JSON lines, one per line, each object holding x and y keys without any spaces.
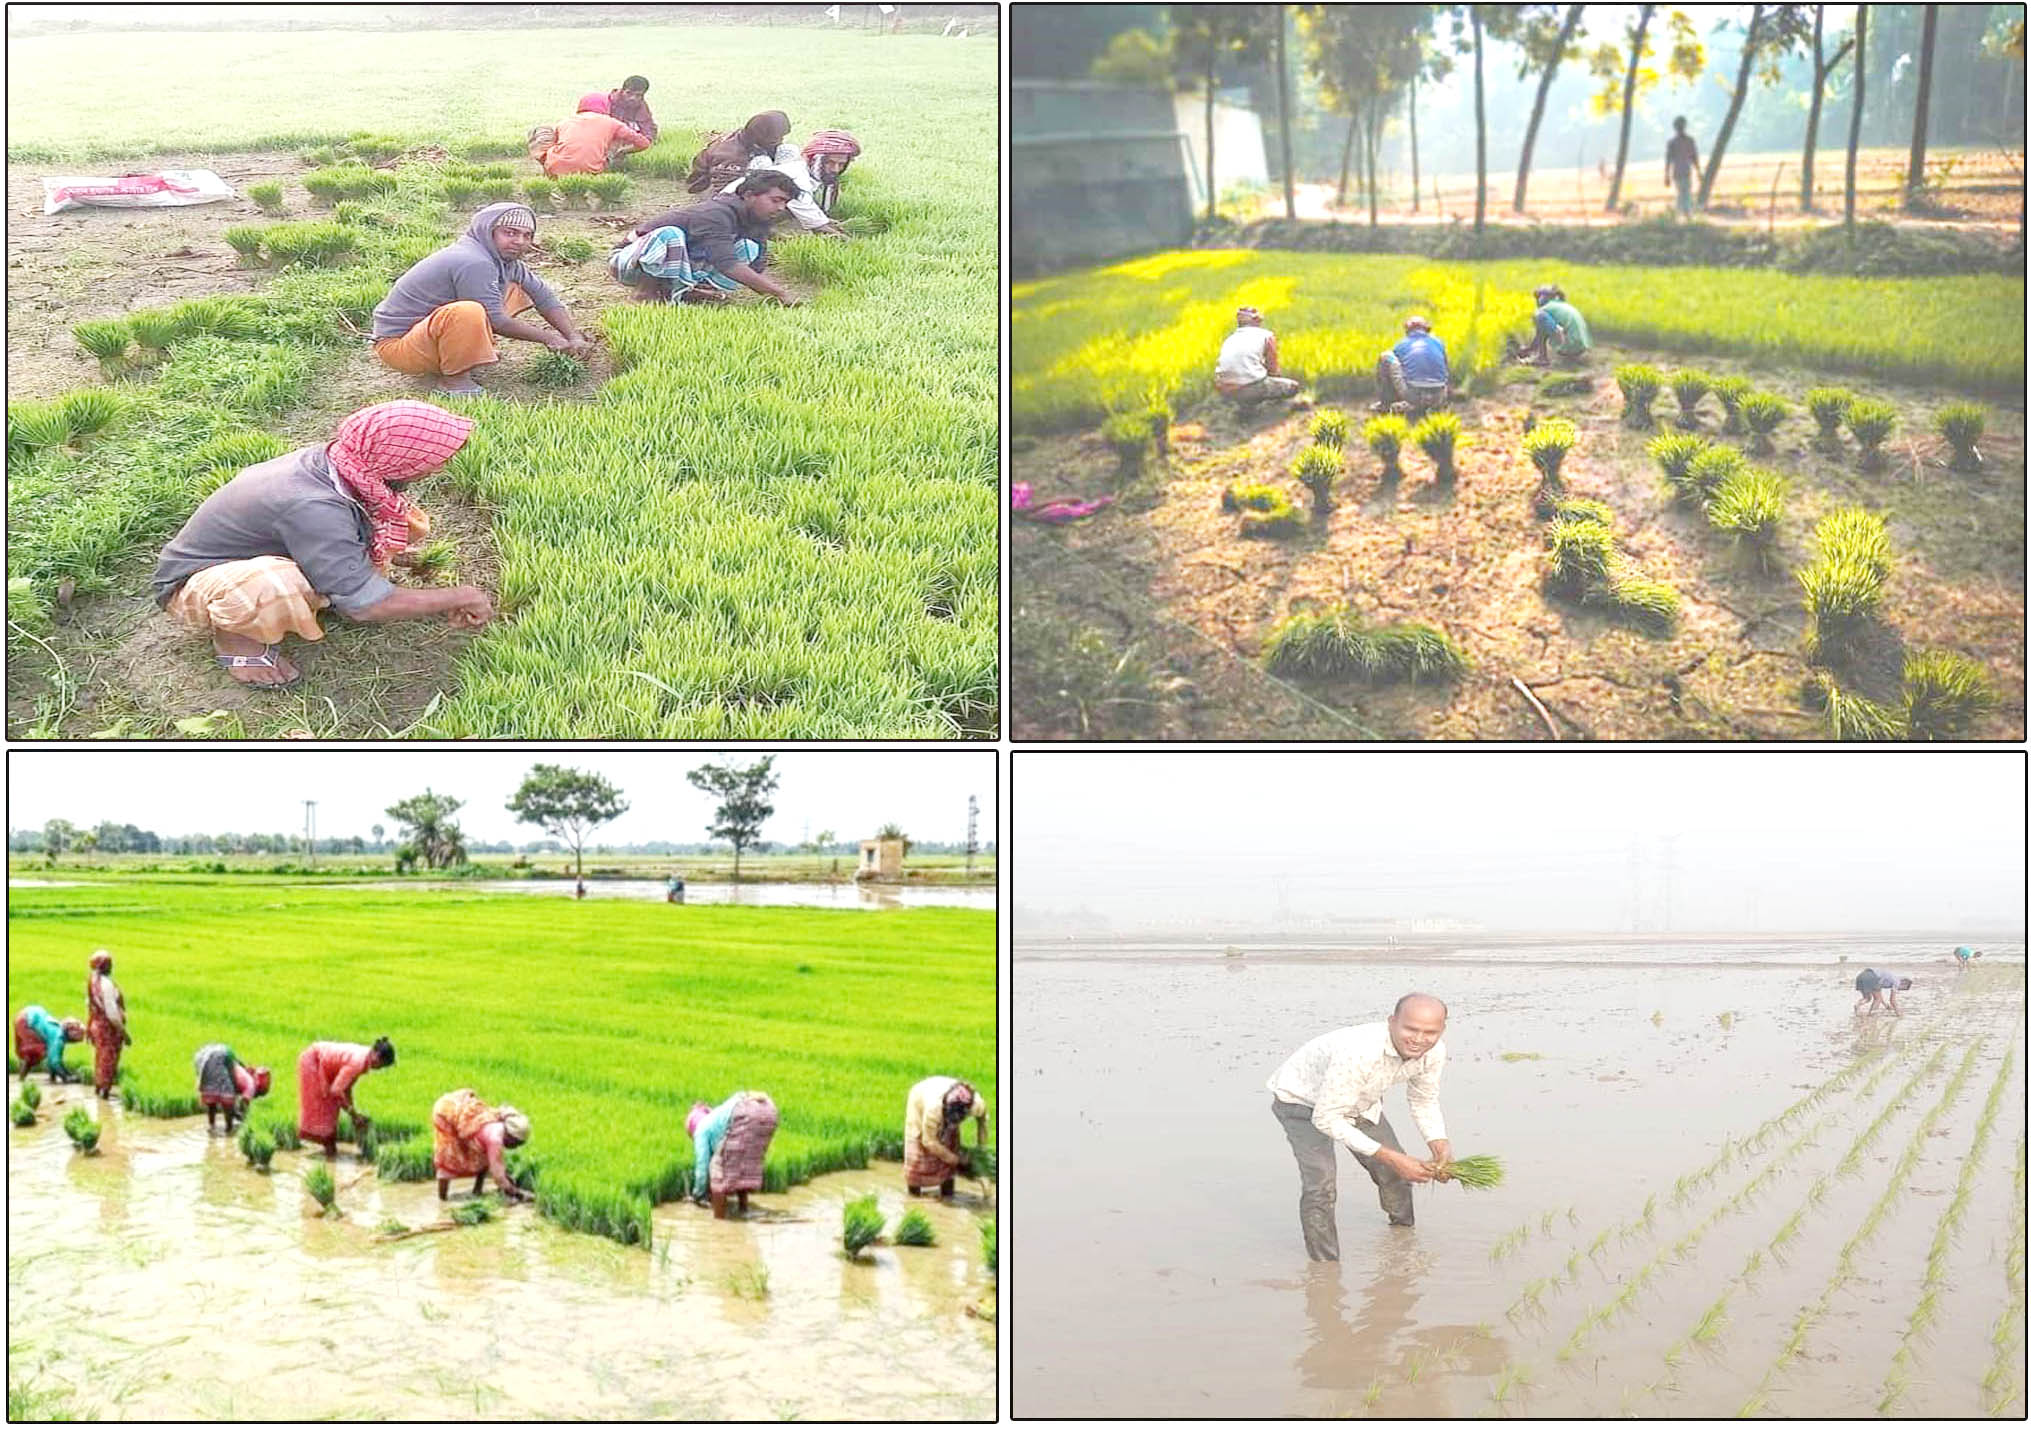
{"x":881,"y":861}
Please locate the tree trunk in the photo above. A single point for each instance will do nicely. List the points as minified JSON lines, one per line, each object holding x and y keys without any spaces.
{"x":1628,"y":105}
{"x":1855,"y":119}
{"x":1283,"y":121}
{"x":578,"y":852}
{"x":1537,"y":109}
{"x":1374,"y":143}
{"x":1735,"y":102}
{"x":1346,"y":158}
{"x":1414,"y":185}
{"x":736,"y":863}
{"x":1212,"y":49}
{"x":1480,"y":129}
{"x":1819,"y":69}
{"x":1914,"y":178}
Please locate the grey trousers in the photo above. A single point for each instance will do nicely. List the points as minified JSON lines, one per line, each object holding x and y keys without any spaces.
{"x":1319,"y":1178}
{"x":1264,"y":389}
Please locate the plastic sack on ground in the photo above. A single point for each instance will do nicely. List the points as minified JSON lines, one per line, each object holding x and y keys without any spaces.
{"x":172,"y":188}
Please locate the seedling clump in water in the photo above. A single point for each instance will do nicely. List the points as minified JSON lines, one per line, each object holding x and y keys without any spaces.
{"x":915,"y":1229}
{"x":861,"y":1226}
{"x":82,"y":1130}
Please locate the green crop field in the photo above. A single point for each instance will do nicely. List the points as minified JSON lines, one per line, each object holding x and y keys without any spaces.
{"x":769,"y":524}
{"x":1105,"y":339}
{"x":603,"y":1021}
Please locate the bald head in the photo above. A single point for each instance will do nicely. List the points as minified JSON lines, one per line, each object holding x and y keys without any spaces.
{"x":1417,"y":1024}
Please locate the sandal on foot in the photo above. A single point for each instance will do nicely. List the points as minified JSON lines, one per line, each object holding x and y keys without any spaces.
{"x":264,"y":661}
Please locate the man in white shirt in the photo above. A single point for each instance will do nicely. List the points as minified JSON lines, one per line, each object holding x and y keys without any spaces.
{"x":1330,"y":1091}
{"x":1246,"y":372}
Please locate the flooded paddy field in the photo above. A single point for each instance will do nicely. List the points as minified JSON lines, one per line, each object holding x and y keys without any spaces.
{"x":1726,"y":1192}
{"x":163,"y":1279}
{"x":651,"y":890}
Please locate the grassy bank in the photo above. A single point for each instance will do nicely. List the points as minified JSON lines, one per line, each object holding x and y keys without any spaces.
{"x":696,"y":868}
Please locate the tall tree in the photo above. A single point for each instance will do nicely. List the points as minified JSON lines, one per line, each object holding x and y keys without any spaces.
{"x":58,"y":836}
{"x":428,"y":830}
{"x":1283,"y":110}
{"x":1821,"y":68}
{"x":1361,"y":57}
{"x":1914,"y":177}
{"x":1773,"y":31}
{"x":1480,"y":127}
{"x":743,"y":793}
{"x":1855,"y":118}
{"x":1542,"y":49}
{"x":567,"y":804}
{"x":1203,"y":37}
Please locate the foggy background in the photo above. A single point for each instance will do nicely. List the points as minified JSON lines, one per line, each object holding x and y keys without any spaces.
{"x":1269,"y":842}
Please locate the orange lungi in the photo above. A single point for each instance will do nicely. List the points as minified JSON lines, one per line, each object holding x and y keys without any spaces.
{"x":453,"y":339}
{"x":263,"y":598}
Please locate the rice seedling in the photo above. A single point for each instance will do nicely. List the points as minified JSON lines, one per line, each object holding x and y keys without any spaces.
{"x":266,"y":196}
{"x":1544,"y":1222}
{"x":1476,"y":1173}
{"x":1961,"y":423}
{"x":1385,"y":436}
{"x":861,"y":1225}
{"x":154,"y":329}
{"x":1673,"y":452}
{"x":1711,"y":1322}
{"x":20,"y":1113}
{"x":1132,"y":437}
{"x":1945,"y":695}
{"x":1527,"y":1057}
{"x":1751,"y":1407}
{"x":1852,"y":717}
{"x":82,"y":1129}
{"x":611,"y":189}
{"x":1709,"y":469}
{"x":1583,"y":509}
{"x":318,"y":1183}
{"x":1829,"y":408}
{"x":1727,"y":1021}
{"x":460,"y":192}
{"x":1332,"y":642}
{"x":1690,"y":385}
{"x":1764,"y":412}
{"x":1316,"y":468}
{"x":1845,"y":582}
{"x":1330,"y":427}
{"x":310,"y":244}
{"x":89,"y":410}
{"x":1547,"y":445}
{"x":575,"y":189}
{"x":1575,"y":1342}
{"x":1437,"y":436}
{"x":989,"y":1249}
{"x":31,"y":1095}
{"x":914,"y":1229}
{"x":37,"y":426}
{"x":540,"y":192}
{"x":1730,"y":391}
{"x":1657,"y":1018}
{"x":1869,"y":423}
{"x":476,"y":1213}
{"x":1266,"y":511}
{"x":1640,"y":384}
{"x":1416,"y":1367}
{"x":105,"y":339}
{"x":1374,"y":1392}
{"x":256,"y":1145}
{"x":1748,"y":505}
{"x":1580,"y":556}
{"x":572,"y":249}
{"x":550,"y":368}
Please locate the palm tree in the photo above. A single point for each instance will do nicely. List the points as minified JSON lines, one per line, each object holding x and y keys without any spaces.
{"x":1914,"y":177}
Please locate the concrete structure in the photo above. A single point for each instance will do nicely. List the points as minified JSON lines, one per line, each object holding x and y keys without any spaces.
{"x":1096,"y":171}
{"x":881,"y":861}
{"x":1239,"y":154}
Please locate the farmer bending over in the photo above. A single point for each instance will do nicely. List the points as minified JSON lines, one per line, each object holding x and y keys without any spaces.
{"x":1246,"y":372}
{"x":1333,"y":1084}
{"x":325,"y":1074}
{"x":1681,"y":165}
{"x":729,"y":1144}
{"x":932,"y":1120}
{"x":470,"y":1138}
{"x":105,"y":1023}
{"x":226,"y":1084}
{"x":442,"y":315}
{"x":1413,"y":376}
{"x":1872,"y":985}
{"x":630,"y":105}
{"x":318,"y":527}
{"x":1963,"y":957}
{"x":39,"y":1037}
{"x":712,"y":249}
{"x":588,"y":142}
{"x":1558,"y":330}
{"x":763,"y":144}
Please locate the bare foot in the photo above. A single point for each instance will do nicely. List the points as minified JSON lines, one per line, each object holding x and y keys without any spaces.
{"x":263,"y":665}
{"x":459,"y":384}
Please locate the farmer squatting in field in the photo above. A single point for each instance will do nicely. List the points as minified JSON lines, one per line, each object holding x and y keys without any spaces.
{"x":226,"y":1084}
{"x":319,"y":526}
{"x":729,"y":1144}
{"x":630,"y":105}
{"x":1246,"y":372}
{"x":587,"y":143}
{"x":1335,"y":1082}
{"x":1413,"y":376}
{"x":762,"y":144}
{"x":470,"y":1138}
{"x":1558,"y":330}
{"x":441,"y":316}
{"x":105,"y":1023}
{"x":325,"y":1074}
{"x":933,"y":1117}
{"x":40,"y":1038}
{"x":704,"y":252}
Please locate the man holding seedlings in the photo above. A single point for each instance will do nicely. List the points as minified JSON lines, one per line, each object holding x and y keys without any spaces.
{"x":325,"y":1074}
{"x":441,"y":317}
{"x":1246,"y":372}
{"x":470,"y":1138}
{"x":712,"y":249}
{"x":1558,"y":330}
{"x":933,"y":1118}
{"x":1681,"y":165}
{"x":1330,"y":1091}
{"x":321,"y":526}
{"x":1413,"y":376}
{"x":1872,"y":985}
{"x":39,"y":1037}
{"x":226,"y":1084}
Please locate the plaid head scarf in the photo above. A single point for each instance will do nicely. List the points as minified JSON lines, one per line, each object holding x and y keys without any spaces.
{"x":392,"y":441}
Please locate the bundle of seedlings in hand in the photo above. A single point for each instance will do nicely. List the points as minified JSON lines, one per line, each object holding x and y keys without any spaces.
{"x":1845,"y":581}
{"x":1829,"y":407}
{"x":1689,"y":386}
{"x":1333,"y":643}
{"x":1315,"y":468}
{"x":1961,"y":423}
{"x":611,"y":189}
{"x":256,"y":1145}
{"x":1330,"y":426}
{"x":541,"y":192}
{"x":318,"y":1182}
{"x":82,"y":1130}
{"x":1730,"y":391}
{"x":1944,"y":695}
{"x":1869,"y":423}
{"x":1266,"y":511}
{"x":1748,"y":505}
{"x":861,"y":1226}
{"x":1478,"y":1173}
{"x":914,"y":1229}
{"x":1764,"y":412}
{"x":1640,"y":383}
{"x":1132,"y":436}
{"x":551,"y":368}
{"x":575,"y":189}
{"x":1436,"y":436}
{"x":267,"y":197}
{"x":1385,"y":436}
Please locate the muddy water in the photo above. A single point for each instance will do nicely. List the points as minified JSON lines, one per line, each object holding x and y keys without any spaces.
{"x":1162,"y":1272}
{"x":162,"y":1279}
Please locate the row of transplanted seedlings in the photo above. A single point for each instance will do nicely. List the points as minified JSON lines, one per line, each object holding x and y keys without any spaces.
{"x":1844,"y":1267}
{"x":2005,"y":1337}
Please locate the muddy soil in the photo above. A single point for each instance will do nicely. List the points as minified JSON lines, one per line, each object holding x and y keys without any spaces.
{"x":163,"y":1279}
{"x":1164,"y":1273}
{"x":1469,"y":559}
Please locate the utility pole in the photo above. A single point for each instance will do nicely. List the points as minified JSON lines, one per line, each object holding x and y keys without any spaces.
{"x":972,"y":829}
{"x":310,"y":830}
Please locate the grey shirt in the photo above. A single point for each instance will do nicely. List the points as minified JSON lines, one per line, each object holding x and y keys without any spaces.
{"x":468,"y":270}
{"x":712,"y":227}
{"x":291,"y":506}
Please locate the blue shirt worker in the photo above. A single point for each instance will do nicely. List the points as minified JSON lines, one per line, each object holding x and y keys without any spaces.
{"x":1413,"y":376}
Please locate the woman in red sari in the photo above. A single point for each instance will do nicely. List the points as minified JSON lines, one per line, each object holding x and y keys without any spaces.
{"x":470,"y":1138}
{"x":105,"y":1023}
{"x":325,"y":1074}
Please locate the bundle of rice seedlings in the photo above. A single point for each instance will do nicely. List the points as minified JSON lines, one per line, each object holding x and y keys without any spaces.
{"x":571,"y":248}
{"x":1673,"y":452}
{"x":1845,"y":581}
{"x":550,"y":368}
{"x":990,"y":1249}
{"x":460,"y":193}
{"x":1706,"y":472}
{"x":1748,"y":505}
{"x":1689,"y":386}
{"x":1647,"y":604}
{"x":475,"y":1213}
{"x":154,"y":329}
{"x":1869,"y":423}
{"x":1436,"y":436}
{"x":1961,"y":423}
{"x":311,"y":244}
{"x":861,"y":1225}
{"x":106,"y":339}
{"x":1547,"y":444}
{"x":1131,"y":435}
{"x":321,"y":155}
{"x":1385,"y":436}
{"x":1315,"y":468}
{"x":246,"y":239}
{"x":914,"y":1229}
{"x":611,"y":189}
{"x":20,"y":1113}
{"x":1829,"y":407}
{"x":1582,"y":509}
{"x":266,"y":197}
{"x":1580,"y":554}
{"x":497,"y":190}
{"x":575,"y":189}
{"x":31,"y":1095}
{"x":1640,"y":383}
{"x":1333,"y":643}
{"x":1477,"y":1173}
{"x":216,"y":317}
{"x":360,"y":215}
{"x":37,"y":426}
{"x":1566,"y":385}
{"x":1731,"y":391}
{"x":1330,"y":427}
{"x":541,"y":192}
{"x":1266,"y":511}
{"x":1944,"y":695}
{"x":89,"y":409}
{"x":434,"y":559}
{"x":82,"y":1130}
{"x":318,"y":1182}
{"x":1764,"y":412}
{"x":256,"y":1145}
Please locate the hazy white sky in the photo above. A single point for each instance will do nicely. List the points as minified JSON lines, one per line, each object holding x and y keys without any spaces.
{"x":851,"y":792}
{"x":1769,"y":840}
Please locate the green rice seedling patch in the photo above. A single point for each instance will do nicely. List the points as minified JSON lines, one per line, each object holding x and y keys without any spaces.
{"x":572,"y":249}
{"x":1547,"y":445}
{"x":914,"y":1228}
{"x":1386,"y":436}
{"x":540,"y":192}
{"x":1945,"y":693}
{"x":1437,"y":436}
{"x":1690,"y":386}
{"x":1962,"y":424}
{"x":1729,"y":390}
{"x":1763,"y":413}
{"x":266,"y":196}
{"x":82,"y":1129}
{"x":1334,"y":642}
{"x":1640,"y":384}
{"x":108,"y":339}
{"x":575,"y":189}
{"x":1869,"y":422}
{"x":1330,"y":427}
{"x":860,"y":1225}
